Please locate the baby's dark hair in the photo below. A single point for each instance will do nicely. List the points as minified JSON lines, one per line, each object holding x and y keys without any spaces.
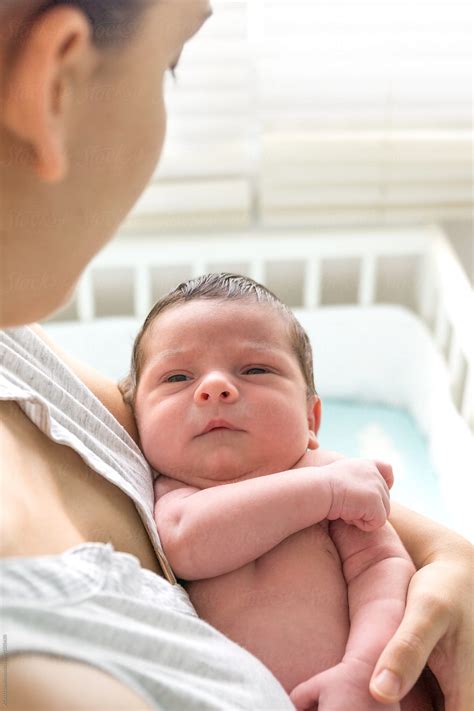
{"x":113,"y":22}
{"x":217,"y":287}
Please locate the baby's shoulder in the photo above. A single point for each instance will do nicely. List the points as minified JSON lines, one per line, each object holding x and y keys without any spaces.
{"x":320,"y":457}
{"x":164,"y":484}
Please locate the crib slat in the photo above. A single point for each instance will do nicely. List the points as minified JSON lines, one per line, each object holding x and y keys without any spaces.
{"x":425,"y":290}
{"x":85,"y":297}
{"x":455,"y":363}
{"x":455,"y":359}
{"x":312,"y":284}
{"x":467,"y":402}
{"x":257,"y":270}
{"x":441,"y":327}
{"x":141,"y":291}
{"x":367,"y":281}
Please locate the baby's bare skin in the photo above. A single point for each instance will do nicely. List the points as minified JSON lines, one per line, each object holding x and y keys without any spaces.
{"x":224,"y":415}
{"x":289,"y":607}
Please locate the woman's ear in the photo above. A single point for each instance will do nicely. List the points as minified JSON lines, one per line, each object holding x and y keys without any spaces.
{"x":314,"y":421}
{"x":45,"y":66}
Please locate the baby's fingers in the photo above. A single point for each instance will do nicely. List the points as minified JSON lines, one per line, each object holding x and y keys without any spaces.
{"x":367,"y":526}
{"x":305,"y":696}
{"x":386,"y":471}
{"x":373,"y":521}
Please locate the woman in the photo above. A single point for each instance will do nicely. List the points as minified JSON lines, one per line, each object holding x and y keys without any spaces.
{"x":81,"y":129}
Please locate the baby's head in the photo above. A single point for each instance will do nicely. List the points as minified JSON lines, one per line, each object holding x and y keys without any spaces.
{"x":221,"y":382}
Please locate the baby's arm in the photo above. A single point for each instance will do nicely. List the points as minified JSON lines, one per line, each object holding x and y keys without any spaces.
{"x":377,"y":570}
{"x":213,"y":531}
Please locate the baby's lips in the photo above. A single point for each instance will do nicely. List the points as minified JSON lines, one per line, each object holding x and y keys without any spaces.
{"x":218,"y":423}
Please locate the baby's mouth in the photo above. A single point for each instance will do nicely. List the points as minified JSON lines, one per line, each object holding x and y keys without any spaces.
{"x":217,"y":425}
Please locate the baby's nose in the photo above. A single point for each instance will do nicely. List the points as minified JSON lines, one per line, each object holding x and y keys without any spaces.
{"x":216,"y":387}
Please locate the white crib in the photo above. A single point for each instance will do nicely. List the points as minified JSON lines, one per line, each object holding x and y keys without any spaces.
{"x":416,"y":353}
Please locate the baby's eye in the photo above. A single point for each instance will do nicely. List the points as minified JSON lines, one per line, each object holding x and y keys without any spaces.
{"x":177,"y":378}
{"x":251,"y":371}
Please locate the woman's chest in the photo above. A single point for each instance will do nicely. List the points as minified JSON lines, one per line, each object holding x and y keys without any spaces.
{"x":52,"y":500}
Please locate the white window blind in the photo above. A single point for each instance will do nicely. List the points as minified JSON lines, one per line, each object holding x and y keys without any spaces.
{"x":316,"y":113}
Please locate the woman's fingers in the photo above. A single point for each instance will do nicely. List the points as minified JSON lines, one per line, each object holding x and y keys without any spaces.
{"x":403,"y":659}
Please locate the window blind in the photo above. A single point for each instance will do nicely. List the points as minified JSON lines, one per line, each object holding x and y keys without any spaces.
{"x":317,"y":113}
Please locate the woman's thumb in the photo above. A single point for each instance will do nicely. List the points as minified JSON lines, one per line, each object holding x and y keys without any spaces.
{"x":407,"y":653}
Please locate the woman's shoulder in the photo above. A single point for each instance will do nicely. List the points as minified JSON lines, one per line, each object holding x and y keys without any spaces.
{"x":104,"y":389}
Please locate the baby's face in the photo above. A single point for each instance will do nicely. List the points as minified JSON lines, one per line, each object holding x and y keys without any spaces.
{"x":221,"y":395}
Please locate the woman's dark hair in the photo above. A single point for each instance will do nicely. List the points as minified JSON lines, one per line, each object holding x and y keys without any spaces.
{"x":222,"y":287}
{"x":113,"y":22}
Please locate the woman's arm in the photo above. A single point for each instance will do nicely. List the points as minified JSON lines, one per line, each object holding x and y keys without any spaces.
{"x":105,"y":389}
{"x":437,"y":627}
{"x":421,"y":536}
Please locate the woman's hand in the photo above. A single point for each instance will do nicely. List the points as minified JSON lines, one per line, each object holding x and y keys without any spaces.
{"x":437,"y":629}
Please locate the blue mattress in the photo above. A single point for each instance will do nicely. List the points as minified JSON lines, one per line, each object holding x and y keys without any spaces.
{"x":374,"y":431}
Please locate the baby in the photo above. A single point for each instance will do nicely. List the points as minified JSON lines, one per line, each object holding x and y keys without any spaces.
{"x":282,"y":546}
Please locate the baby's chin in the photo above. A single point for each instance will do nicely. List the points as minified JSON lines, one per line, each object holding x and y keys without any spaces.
{"x":220,"y":469}
{"x":210,"y":471}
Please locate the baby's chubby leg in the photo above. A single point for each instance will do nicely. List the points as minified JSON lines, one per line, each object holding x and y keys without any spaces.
{"x":377,"y":571}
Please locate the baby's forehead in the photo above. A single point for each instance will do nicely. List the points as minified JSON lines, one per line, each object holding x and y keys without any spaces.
{"x":243,"y":314}
{"x":211,"y":321}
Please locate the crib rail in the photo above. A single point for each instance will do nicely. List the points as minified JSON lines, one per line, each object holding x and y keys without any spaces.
{"x":444,"y":300}
{"x":257,"y":250}
{"x":454,"y":321}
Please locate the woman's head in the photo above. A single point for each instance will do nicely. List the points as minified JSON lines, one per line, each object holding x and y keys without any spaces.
{"x":81,"y":128}
{"x":111,"y":23}
{"x":220,"y":288}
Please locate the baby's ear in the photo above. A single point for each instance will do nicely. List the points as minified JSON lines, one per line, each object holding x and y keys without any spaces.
{"x":312,"y":441}
{"x":314,"y":421}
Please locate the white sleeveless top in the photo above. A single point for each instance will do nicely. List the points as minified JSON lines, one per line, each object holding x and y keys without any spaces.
{"x":67,"y":412}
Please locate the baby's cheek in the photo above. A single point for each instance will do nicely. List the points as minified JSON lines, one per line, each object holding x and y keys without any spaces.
{"x":290,"y":443}
{"x":150,"y":446}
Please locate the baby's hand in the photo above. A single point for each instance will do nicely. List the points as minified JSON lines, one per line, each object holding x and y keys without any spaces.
{"x":360,"y":492}
{"x":343,"y":687}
